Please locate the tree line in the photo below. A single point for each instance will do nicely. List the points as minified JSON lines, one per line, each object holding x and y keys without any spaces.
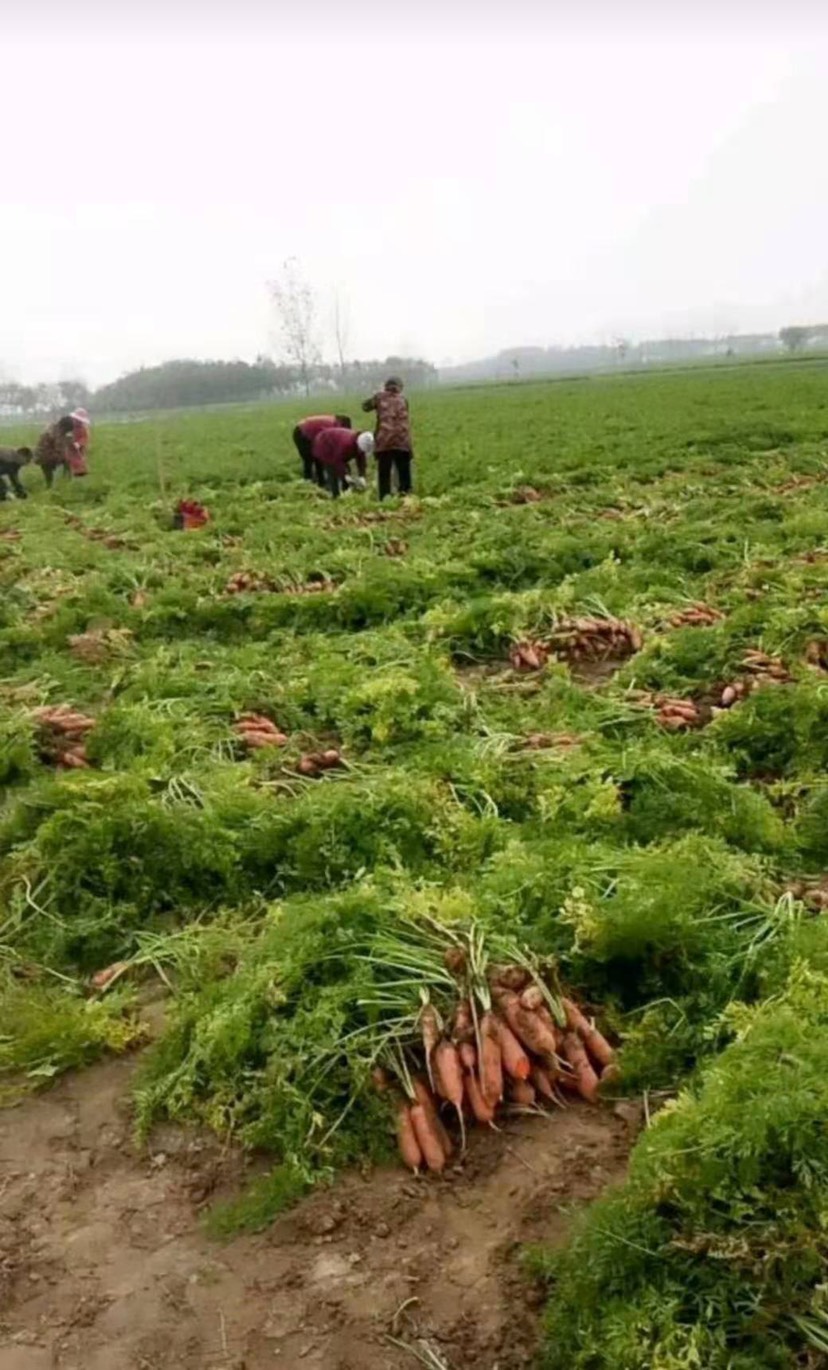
{"x":185,"y":383}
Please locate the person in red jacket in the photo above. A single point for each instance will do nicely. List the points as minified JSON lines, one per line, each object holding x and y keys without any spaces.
{"x":303,"y":437}
{"x":335,"y":448}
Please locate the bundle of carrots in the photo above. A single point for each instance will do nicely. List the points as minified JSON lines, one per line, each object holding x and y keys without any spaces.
{"x":314,"y":763}
{"x":529,"y":655}
{"x":536,"y":742}
{"x":99,"y":644}
{"x":816,"y":653}
{"x":10,"y":535}
{"x":255,"y":731}
{"x":731,"y":694}
{"x":249,"y":582}
{"x":525,"y":494}
{"x":764,"y":667}
{"x":673,"y":713}
{"x":62,"y":732}
{"x":812,"y":892}
{"x":696,"y":616}
{"x":314,"y":586}
{"x":111,"y":540}
{"x":395,"y":547}
{"x":486,"y":1034}
{"x":596,"y":639}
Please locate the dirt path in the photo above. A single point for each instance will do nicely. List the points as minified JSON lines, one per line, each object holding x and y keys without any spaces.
{"x":103,"y":1264}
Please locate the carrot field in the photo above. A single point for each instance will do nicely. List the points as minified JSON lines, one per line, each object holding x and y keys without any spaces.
{"x":567,"y":709}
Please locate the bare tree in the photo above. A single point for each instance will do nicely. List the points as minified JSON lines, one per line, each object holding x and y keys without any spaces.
{"x":341,"y":328}
{"x":295,"y":305}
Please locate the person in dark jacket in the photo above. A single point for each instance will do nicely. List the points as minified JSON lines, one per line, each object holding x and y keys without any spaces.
{"x":304,"y":435}
{"x":12,"y":460}
{"x":392,"y":437}
{"x":335,"y":448}
{"x":58,"y":447}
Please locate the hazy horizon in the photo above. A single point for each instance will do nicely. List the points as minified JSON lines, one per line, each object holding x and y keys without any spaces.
{"x":474,"y":180}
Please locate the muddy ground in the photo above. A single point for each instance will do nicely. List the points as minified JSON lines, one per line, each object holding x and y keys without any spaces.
{"x":104,"y":1264}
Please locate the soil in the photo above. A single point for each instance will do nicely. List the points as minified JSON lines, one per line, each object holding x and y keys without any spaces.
{"x":104,"y":1264}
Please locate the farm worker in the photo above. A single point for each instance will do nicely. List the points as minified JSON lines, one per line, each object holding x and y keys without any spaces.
{"x":57,"y":446}
{"x":335,"y":448}
{"x":303,"y":437}
{"x":392,"y":437}
{"x":81,"y":424}
{"x":12,"y":461}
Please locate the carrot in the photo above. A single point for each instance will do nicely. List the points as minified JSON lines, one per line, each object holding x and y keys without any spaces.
{"x":610,"y":1075}
{"x":515,"y":1061}
{"x":430,"y":1032}
{"x":491,"y":1061}
{"x":426,"y":1099}
{"x":468,"y":1055}
{"x":594,"y":1041}
{"x":585,"y":1079}
{"x":448,"y":1079}
{"x":528,"y":1027}
{"x":427,"y":1139}
{"x":463,"y":1026}
{"x":543,"y":1084}
{"x":407,"y":1140}
{"x":521,"y":1092}
{"x":532,"y":997}
{"x":307,"y":766}
{"x":483,"y":1112}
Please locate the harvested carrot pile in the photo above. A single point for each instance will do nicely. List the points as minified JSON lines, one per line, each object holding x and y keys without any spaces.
{"x":314,"y":763}
{"x":98,"y":645}
{"x":10,"y":535}
{"x":524,"y":494}
{"x":61,"y":735}
{"x":696,"y":616}
{"x":812,"y":893}
{"x":464,"y":1033}
{"x":673,"y":713}
{"x":395,"y":547}
{"x":529,"y":656}
{"x":255,"y":731}
{"x":596,"y":639}
{"x":249,"y":583}
{"x":816,"y":653}
{"x":315,"y":586}
{"x":537,"y":742}
{"x":764,"y":667}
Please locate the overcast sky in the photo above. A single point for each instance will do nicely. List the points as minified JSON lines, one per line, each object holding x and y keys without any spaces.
{"x":466,"y":179}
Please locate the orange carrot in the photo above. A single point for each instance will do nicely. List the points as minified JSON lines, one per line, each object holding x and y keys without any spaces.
{"x":463,"y":1026}
{"x":407,"y":1141}
{"x":515,"y":1061}
{"x":528,"y":1027}
{"x":427,"y":1138}
{"x":448,"y":1079}
{"x":521,"y":1092}
{"x":468,"y":1055}
{"x":543,"y":1083}
{"x":430,"y":1029}
{"x":532,"y":997}
{"x":483,"y":1112}
{"x":595,"y":1043}
{"x":427,"y":1101}
{"x":586,"y":1081}
{"x":491,"y":1062}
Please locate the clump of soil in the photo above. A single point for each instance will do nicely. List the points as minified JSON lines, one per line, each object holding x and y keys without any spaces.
{"x":103,"y":1262}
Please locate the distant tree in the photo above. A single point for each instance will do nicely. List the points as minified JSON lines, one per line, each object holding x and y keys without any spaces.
{"x":794,"y":337}
{"x":341,"y":330}
{"x":295,"y":305}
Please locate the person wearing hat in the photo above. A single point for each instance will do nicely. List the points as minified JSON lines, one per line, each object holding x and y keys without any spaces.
{"x":64,"y":443}
{"x":392,"y":439}
{"x":335,"y":448}
{"x":304,"y":435}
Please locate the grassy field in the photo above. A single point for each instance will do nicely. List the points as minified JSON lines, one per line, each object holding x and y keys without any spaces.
{"x":673,"y":871}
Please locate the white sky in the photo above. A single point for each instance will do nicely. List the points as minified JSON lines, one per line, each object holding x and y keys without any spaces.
{"x":467,"y":180}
